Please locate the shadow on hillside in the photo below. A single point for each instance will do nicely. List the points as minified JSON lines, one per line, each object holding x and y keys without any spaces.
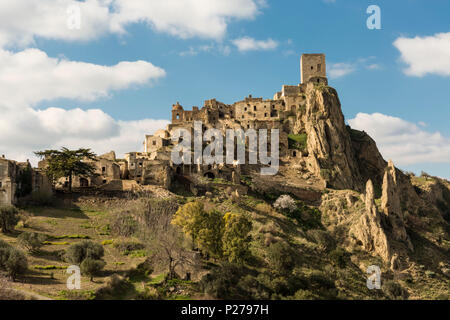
{"x":58,"y":212}
{"x":39,"y":278}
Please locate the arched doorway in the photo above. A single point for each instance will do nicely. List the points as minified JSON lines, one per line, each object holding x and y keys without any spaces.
{"x":84,"y":182}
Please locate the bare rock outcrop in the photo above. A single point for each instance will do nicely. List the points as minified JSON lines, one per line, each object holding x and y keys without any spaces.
{"x":330,"y":153}
{"x":391,"y":205}
{"x":369,"y":230}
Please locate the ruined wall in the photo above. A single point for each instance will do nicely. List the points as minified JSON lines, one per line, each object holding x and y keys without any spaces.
{"x":7,"y":182}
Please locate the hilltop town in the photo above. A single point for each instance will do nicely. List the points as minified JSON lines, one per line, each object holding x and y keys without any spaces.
{"x":345,"y":208}
{"x":154,"y":166}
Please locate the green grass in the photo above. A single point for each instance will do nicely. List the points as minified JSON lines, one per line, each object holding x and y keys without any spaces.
{"x":49,"y":267}
{"x":158,"y":279}
{"x":298,"y":141}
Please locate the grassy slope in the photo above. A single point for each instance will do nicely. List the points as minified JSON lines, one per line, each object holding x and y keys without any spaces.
{"x":268,"y":226}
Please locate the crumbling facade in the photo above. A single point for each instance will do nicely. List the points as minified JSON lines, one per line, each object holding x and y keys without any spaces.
{"x":18,"y":180}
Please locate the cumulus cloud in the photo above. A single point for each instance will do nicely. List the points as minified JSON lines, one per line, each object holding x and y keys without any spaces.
{"x":30,"y":76}
{"x":250,"y":44}
{"x":404,"y":142}
{"x":425,"y":55}
{"x":30,"y":130}
{"x":21,"y":21}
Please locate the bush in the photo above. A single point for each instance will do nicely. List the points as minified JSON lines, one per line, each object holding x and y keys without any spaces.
{"x":123,"y":224}
{"x":31,"y":241}
{"x":13,"y":261}
{"x":126,"y":247}
{"x":285,"y":203}
{"x":321,"y":238}
{"x":78,"y":252}
{"x":339,"y":257}
{"x":92,"y":267}
{"x":281,"y":258}
{"x":9,"y":217}
{"x":394,"y":291}
{"x":223,"y":282}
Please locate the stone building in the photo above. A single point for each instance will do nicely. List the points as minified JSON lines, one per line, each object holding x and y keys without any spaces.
{"x":18,"y":180}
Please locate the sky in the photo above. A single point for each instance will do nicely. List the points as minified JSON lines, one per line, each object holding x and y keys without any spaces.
{"x":103,"y":73}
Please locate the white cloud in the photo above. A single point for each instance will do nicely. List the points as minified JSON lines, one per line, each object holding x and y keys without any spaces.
{"x":30,"y":130}
{"x":30,"y":76}
{"x":425,"y":55}
{"x":184,"y":18}
{"x":21,"y":21}
{"x":338,"y":70}
{"x":250,"y":44}
{"x":402,"y":141}
{"x":342,"y":69}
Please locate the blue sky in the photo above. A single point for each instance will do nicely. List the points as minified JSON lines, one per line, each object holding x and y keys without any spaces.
{"x":199,"y":58}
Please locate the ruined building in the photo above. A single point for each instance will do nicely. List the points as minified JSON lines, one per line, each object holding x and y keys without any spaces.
{"x":19,"y":180}
{"x":153,"y":166}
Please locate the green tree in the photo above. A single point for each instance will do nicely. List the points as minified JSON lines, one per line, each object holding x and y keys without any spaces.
{"x":188,"y":218}
{"x":78,"y":252}
{"x":205,"y":228}
{"x":92,"y":267}
{"x":68,"y":163}
{"x":9,"y":217}
{"x":31,"y":241}
{"x":13,"y":261}
{"x":236,"y":239}
{"x":209,"y":238}
{"x":88,"y":255}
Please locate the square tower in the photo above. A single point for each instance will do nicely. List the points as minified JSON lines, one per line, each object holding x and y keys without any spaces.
{"x":313,"y":68}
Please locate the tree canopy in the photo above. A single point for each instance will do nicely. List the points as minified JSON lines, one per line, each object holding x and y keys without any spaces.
{"x":68,"y":163}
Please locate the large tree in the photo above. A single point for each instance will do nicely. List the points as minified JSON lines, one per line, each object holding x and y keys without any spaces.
{"x":68,"y":163}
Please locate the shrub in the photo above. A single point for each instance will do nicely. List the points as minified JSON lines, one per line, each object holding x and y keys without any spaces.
{"x":321,"y":238}
{"x":78,"y":252}
{"x":127,"y":246}
{"x":9,"y":216}
{"x":92,"y":267}
{"x":123,"y":224}
{"x":339,"y":257}
{"x":285,"y":203}
{"x":13,"y":261}
{"x":31,"y":241}
{"x":394,"y":291}
{"x":281,"y":257}
{"x":223,"y":282}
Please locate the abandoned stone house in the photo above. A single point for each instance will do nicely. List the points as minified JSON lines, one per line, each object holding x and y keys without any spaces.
{"x":18,"y":180}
